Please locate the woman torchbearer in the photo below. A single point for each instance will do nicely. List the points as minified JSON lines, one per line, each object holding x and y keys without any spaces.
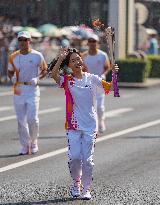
{"x":81,"y":118}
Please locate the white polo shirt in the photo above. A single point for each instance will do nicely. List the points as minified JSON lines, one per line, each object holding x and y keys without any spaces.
{"x":28,"y":66}
{"x":83,"y":92}
{"x":96,"y":63}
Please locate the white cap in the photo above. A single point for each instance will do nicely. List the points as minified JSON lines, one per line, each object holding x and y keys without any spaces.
{"x":24,"y":34}
{"x":93,"y":36}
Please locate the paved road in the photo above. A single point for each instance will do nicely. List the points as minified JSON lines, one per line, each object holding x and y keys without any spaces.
{"x":127,"y":156}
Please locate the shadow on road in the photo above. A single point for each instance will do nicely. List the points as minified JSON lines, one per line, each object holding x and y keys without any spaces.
{"x":43,"y":202}
{"x":46,"y":137}
{"x":9,"y":156}
{"x":52,"y":137}
{"x":142,"y":137}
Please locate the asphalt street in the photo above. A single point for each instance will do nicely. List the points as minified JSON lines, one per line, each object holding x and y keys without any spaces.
{"x":127,"y":155}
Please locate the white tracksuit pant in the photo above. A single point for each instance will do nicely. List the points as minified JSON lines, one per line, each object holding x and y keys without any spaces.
{"x":100,"y":106}
{"x":80,"y":152}
{"x":26,"y":108}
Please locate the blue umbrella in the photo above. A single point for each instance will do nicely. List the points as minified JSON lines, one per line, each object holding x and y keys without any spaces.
{"x":48,"y":29}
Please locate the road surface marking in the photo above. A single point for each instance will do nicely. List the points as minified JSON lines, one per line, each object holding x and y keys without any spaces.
{"x":7,"y":93}
{"x":5,"y":108}
{"x":112,"y":113}
{"x":117,"y":112}
{"x":63,"y":150}
{"x":50,"y":110}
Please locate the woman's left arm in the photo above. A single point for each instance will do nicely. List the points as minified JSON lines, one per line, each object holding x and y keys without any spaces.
{"x":107,"y":86}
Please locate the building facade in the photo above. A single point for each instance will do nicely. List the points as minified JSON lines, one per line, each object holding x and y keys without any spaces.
{"x":58,"y":12}
{"x":153,"y":20}
{"x":117,"y":13}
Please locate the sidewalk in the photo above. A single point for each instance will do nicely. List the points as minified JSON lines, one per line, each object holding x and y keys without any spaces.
{"x":150,"y":82}
{"x":47,"y":82}
{"x":44,"y":82}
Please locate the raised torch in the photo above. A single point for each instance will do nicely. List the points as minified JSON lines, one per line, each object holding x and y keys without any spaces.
{"x":110,"y":37}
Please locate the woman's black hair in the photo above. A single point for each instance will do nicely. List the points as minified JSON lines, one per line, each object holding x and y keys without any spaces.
{"x":65,"y":62}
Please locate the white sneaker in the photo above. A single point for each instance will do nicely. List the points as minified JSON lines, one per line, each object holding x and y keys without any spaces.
{"x":34,"y":148}
{"x":75,"y":191}
{"x":86,"y":195}
{"x":102,"y":126}
{"x":24,"y":150}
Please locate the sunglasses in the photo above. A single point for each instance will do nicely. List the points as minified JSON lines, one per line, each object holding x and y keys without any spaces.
{"x":92,"y":41}
{"x":72,"y":50}
{"x":24,"y":39}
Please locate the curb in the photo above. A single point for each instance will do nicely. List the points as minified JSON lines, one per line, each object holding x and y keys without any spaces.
{"x":150,"y":82}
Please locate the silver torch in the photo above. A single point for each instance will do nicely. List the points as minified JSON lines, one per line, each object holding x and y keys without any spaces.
{"x":110,"y":37}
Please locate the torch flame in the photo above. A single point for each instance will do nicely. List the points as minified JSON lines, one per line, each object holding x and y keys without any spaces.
{"x":97,"y":23}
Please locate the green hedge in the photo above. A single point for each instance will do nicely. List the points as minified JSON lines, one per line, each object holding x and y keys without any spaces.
{"x":132,"y":70}
{"x":155,"y":66}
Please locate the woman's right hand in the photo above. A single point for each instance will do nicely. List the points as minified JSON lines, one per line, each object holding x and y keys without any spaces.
{"x":62,"y":54}
{"x":56,"y":71}
{"x":115,"y":68}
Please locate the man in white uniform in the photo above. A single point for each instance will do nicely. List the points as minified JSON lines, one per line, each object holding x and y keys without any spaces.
{"x":26,"y":67}
{"x":97,"y":62}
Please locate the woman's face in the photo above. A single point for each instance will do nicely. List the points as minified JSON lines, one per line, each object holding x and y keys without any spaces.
{"x":75,"y":63}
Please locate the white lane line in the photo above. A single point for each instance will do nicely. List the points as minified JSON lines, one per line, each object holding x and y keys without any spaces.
{"x":117,"y":112}
{"x":63,"y":150}
{"x":112,"y":113}
{"x":129,"y":130}
{"x":5,"y":108}
{"x":35,"y":159}
{"x":50,"y":110}
{"x":7,"y":93}
{"x":12,"y":117}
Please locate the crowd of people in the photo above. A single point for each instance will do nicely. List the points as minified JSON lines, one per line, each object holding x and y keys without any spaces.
{"x":49,"y":45}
